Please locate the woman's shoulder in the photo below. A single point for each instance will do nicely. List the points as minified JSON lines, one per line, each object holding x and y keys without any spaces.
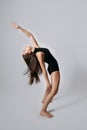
{"x":40,"y":49}
{"x":36,"y":49}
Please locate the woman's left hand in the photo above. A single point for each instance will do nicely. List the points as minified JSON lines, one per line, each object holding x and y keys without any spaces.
{"x":15,"y":25}
{"x":48,"y":89}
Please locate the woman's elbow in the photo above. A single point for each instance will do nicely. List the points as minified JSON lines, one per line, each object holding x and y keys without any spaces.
{"x":29,"y":34}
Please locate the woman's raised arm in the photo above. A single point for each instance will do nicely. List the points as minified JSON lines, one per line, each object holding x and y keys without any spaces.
{"x":35,"y":44}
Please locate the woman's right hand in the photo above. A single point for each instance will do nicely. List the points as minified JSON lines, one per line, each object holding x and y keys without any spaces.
{"x":15,"y":25}
{"x":48,"y":88}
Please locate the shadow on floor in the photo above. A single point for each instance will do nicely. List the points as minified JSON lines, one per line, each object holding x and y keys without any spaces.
{"x":77,"y":90}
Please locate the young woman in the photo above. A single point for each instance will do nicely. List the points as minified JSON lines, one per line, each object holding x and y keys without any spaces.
{"x":35,"y":58}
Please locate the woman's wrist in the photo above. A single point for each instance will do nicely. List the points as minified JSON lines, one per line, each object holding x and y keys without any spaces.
{"x":19,"y":27}
{"x":48,"y":82}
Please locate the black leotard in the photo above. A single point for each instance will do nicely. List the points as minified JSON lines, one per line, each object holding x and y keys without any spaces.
{"x":49,"y":58}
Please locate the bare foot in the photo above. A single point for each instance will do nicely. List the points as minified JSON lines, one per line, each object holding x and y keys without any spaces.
{"x":46,"y":114}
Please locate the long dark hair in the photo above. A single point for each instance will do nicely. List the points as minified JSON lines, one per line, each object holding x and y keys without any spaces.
{"x":33,"y":67}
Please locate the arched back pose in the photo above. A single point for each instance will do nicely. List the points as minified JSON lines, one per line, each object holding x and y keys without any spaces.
{"x":35,"y":58}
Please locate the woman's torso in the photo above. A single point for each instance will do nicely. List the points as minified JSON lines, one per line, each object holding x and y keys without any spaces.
{"x":48,"y":58}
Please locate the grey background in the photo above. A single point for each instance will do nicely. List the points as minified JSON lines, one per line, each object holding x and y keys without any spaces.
{"x":60,"y":25}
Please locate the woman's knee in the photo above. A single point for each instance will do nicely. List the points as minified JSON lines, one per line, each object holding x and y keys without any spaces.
{"x":54,"y":91}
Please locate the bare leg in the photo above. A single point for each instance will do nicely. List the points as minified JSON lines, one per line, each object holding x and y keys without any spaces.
{"x":45,"y":95}
{"x":55,"y":79}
